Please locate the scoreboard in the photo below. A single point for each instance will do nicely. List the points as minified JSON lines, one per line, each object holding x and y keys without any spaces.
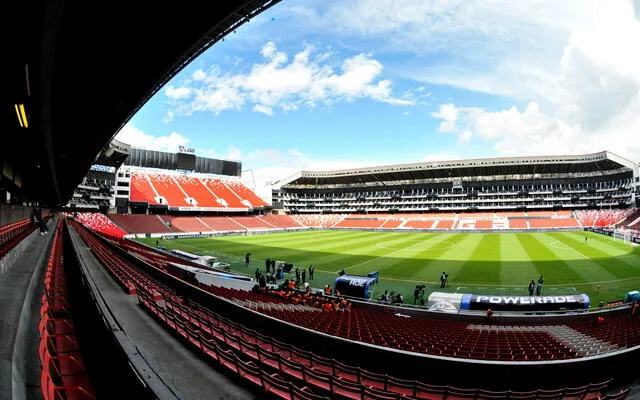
{"x":186,"y":161}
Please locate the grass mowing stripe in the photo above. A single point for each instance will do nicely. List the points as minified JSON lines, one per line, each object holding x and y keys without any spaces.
{"x":482,"y":264}
{"x":406,"y":259}
{"x":443,"y":259}
{"x":515,"y":264}
{"x":546,"y":261}
{"x":420,"y":243}
{"x":286,"y":248}
{"x":617,"y":267}
{"x":579,"y":262}
{"x":404,"y":262}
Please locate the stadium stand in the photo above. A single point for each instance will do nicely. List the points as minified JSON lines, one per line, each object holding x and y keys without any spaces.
{"x":141,"y":223}
{"x":245,"y":194}
{"x":12,"y":234}
{"x":592,"y":218}
{"x":185,"y":224}
{"x":537,"y":223}
{"x":167,"y":188}
{"x":190,"y":191}
{"x":63,"y":374}
{"x":318,"y":220}
{"x":285,"y":371}
{"x":252,"y":223}
{"x":548,"y":187}
{"x":141,"y":190}
{"x":226,"y":197}
{"x":359,"y":223}
{"x":464,"y":340}
{"x":632,"y":220}
{"x":222,"y":224}
{"x":100,"y":223}
{"x":282,"y":221}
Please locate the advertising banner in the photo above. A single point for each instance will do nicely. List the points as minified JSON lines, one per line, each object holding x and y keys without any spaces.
{"x":525,"y":303}
{"x":439,"y":301}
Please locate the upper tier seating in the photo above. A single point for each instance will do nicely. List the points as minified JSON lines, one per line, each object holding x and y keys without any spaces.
{"x":590,"y":218}
{"x":191,"y":191}
{"x":227,"y":198}
{"x":140,"y":223}
{"x":141,"y":190}
{"x":202,"y":196}
{"x":246,"y":194}
{"x":167,"y":187}
{"x":100,"y":223}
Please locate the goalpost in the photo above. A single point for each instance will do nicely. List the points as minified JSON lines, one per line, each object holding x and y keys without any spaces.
{"x":623,"y":234}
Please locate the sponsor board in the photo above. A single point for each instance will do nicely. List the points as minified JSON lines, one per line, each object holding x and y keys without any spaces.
{"x":524,"y":303}
{"x":187,"y":236}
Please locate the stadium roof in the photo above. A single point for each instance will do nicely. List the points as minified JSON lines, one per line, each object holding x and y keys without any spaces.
{"x":587,"y":163}
{"x":80,"y":70}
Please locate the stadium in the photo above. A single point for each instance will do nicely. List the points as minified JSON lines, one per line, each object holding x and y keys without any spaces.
{"x":128,"y":272}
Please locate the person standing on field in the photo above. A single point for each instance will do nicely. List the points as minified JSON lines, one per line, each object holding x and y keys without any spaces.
{"x":532,"y":287}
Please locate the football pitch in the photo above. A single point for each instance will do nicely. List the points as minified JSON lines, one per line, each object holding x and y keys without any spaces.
{"x":481,"y":263}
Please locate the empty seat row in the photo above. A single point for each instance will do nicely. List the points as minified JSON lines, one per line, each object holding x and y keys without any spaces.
{"x":192,"y":191}
{"x":63,"y":374}
{"x":12,"y":234}
{"x":100,"y":223}
{"x":251,"y":354}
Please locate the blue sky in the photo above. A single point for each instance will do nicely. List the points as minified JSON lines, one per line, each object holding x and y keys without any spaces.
{"x":347,"y":83}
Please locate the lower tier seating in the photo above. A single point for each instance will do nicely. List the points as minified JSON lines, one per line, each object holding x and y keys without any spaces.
{"x":12,"y":234}
{"x":283,"y":370}
{"x":140,"y":223}
{"x":63,"y":374}
{"x":281,"y":221}
{"x":100,"y":223}
{"x":601,"y":217}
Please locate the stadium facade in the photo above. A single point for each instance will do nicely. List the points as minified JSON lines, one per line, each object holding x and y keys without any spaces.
{"x":599,"y":180}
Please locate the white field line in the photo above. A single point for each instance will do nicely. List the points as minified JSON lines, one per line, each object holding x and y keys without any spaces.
{"x":561,"y":246}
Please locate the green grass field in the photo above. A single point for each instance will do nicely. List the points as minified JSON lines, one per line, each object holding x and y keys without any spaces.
{"x":500,"y":263}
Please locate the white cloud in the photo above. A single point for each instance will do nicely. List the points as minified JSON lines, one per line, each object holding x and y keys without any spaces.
{"x":263,"y":109}
{"x":286,"y":83}
{"x":198,"y":75}
{"x":168,"y":117}
{"x":532,"y":132}
{"x":135,"y":137}
{"x":448,"y":114}
{"x":580,"y":86}
{"x":177,"y":93}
